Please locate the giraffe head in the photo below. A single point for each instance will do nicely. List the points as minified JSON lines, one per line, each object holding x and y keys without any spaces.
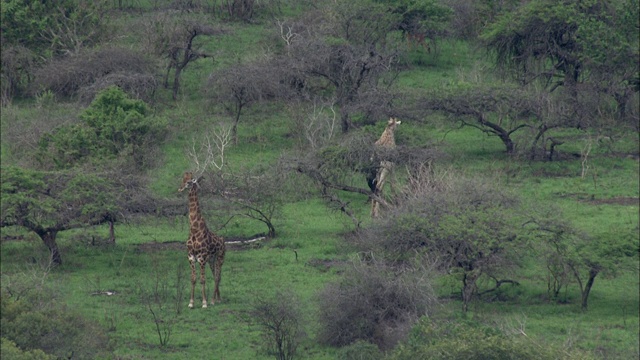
{"x":188,"y":181}
{"x":393,"y":122}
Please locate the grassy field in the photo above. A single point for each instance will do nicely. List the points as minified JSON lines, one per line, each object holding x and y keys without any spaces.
{"x":148,"y":270}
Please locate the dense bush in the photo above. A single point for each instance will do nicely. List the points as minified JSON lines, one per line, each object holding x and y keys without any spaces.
{"x":32,"y":327}
{"x":88,"y":72}
{"x":467,"y":340}
{"x":113,"y":125}
{"x":373,"y":303}
{"x":17,"y":63}
{"x":470,"y":227}
{"x":51,"y":27}
{"x":10,"y":350}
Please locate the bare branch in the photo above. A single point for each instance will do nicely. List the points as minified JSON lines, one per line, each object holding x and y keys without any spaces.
{"x":212,"y":147}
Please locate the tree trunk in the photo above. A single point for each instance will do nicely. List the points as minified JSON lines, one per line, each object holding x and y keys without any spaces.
{"x":49,"y":239}
{"x":593,"y":272}
{"x":346,"y":122}
{"x":112,"y":232}
{"x":468,"y":287}
{"x":176,"y":81}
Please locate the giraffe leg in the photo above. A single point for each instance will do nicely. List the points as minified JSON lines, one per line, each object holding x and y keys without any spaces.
{"x":203,"y":283}
{"x":193,"y":279}
{"x":216,"y":269}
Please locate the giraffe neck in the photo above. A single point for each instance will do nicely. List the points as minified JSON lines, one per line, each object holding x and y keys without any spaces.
{"x":196,"y":220}
{"x":387,"y":139}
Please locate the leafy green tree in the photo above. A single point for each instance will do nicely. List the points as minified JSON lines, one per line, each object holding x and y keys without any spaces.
{"x":428,"y":17}
{"x":49,"y":202}
{"x":568,"y":43}
{"x":50,"y":26}
{"x":584,"y":257}
{"x":10,"y":350}
{"x":113,"y":125}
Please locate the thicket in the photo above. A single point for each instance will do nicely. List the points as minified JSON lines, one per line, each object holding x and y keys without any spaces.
{"x":463,"y":339}
{"x":35,"y":325}
{"x":375,"y":303}
{"x":114,"y":125}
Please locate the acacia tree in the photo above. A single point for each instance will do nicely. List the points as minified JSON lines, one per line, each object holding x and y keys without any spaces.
{"x":240,"y":86}
{"x":347,"y":53}
{"x":567,"y":44}
{"x":582,"y":257}
{"x":497,"y":111}
{"x":48,"y":27}
{"x":49,"y":202}
{"x":470,"y":228}
{"x":343,"y":166}
{"x":174,"y":39}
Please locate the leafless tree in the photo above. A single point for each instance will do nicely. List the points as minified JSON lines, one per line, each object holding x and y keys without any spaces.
{"x":352,"y":67}
{"x":182,"y":51}
{"x":239,"y":86}
{"x":280,"y":319}
{"x":172,"y":37}
{"x":374,"y":302}
{"x":210,"y":150}
{"x":344,"y":165}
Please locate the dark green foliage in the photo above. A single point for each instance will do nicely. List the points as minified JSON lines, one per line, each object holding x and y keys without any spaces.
{"x":9,"y":350}
{"x":567,"y":43}
{"x":50,"y":26}
{"x":50,"y":328}
{"x":429,"y":17}
{"x":113,"y":125}
{"x":468,"y":340}
{"x":49,"y":202}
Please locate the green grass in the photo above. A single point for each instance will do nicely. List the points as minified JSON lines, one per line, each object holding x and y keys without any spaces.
{"x":308,"y":251}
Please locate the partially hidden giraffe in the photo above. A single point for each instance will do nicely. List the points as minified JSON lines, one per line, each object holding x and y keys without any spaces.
{"x":386,"y":141}
{"x":203,"y":245}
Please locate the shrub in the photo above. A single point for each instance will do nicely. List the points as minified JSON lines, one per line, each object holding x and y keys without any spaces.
{"x":373,"y":303}
{"x":280,"y":318}
{"x":468,"y":225}
{"x":41,"y":327}
{"x":113,"y":125}
{"x":472,"y":341}
{"x":86,"y":72}
{"x":9,"y":350}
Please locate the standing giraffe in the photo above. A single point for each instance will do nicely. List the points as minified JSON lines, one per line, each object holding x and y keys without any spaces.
{"x":203,"y":245}
{"x":386,"y":141}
